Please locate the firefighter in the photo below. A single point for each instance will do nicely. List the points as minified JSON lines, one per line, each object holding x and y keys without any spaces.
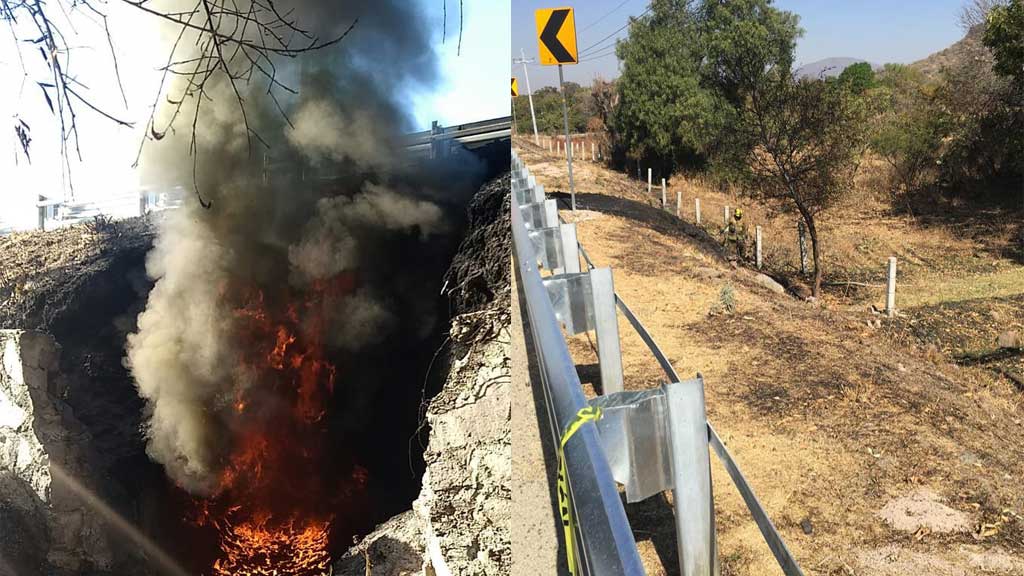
{"x":736,"y":236}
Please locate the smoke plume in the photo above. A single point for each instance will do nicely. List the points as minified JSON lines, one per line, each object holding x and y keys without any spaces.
{"x":319,"y":208}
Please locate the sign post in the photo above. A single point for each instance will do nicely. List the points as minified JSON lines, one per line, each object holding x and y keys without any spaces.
{"x":515,"y":92}
{"x":556,"y":40}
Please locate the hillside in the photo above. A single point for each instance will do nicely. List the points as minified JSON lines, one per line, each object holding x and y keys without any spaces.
{"x":967,"y":49}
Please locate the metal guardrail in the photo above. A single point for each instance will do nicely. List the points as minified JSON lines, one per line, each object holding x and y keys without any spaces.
{"x":652,"y":440}
{"x":771,"y":535}
{"x":604,"y":539}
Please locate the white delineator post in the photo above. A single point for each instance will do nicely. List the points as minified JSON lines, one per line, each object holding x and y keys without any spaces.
{"x":890,"y":297}
{"x":593,"y":153}
{"x":648,"y":181}
{"x":679,"y":202}
{"x":696,"y":202}
{"x":725,"y":213}
{"x":663,"y":201}
{"x":757,"y":246}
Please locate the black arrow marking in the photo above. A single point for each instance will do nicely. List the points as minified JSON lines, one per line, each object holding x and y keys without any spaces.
{"x":550,"y":36}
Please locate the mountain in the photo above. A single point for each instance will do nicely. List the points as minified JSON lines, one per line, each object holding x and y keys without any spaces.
{"x":827,"y":66}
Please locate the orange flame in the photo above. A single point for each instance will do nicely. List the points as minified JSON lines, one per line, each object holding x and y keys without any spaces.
{"x":269,"y":509}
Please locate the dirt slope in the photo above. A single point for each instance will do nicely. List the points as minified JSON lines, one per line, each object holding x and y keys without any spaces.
{"x":862,"y":449}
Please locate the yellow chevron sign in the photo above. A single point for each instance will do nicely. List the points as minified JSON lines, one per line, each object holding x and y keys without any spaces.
{"x":515,"y":87}
{"x":556,"y":36}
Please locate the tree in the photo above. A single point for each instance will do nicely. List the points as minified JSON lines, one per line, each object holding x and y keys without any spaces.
{"x":804,"y":139}
{"x":547,"y":104}
{"x":857,"y":78}
{"x":1004,"y":35}
{"x":687,"y":68}
{"x":908,"y":128}
{"x":975,"y":12}
{"x":747,"y":43}
{"x":664,"y":115}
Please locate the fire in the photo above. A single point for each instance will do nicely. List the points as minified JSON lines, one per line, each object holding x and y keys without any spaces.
{"x":269,"y":508}
{"x":254,"y":548}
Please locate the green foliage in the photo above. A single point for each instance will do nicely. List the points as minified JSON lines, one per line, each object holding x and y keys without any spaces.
{"x":663,"y":111}
{"x":727,"y":299}
{"x":908,"y":128}
{"x":547,"y":103}
{"x":746,"y":43}
{"x":686,"y":68}
{"x":1004,"y":35}
{"x":857,"y":78}
{"x":984,"y":148}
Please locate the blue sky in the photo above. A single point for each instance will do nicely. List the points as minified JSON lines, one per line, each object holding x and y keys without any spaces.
{"x":475,"y":85}
{"x":879,"y":31}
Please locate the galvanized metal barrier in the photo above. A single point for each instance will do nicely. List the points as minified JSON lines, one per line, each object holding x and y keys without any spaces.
{"x":654,"y":440}
{"x":602,"y":535}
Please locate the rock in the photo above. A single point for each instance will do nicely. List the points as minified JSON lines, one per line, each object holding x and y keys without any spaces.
{"x":800,"y":290}
{"x":707,"y":272}
{"x":42,"y":448}
{"x":395,"y":547}
{"x":806,"y":526}
{"x":1011,"y":339}
{"x":767,"y":282}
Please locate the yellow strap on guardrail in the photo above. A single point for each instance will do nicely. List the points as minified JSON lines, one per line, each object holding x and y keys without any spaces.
{"x":585,"y":415}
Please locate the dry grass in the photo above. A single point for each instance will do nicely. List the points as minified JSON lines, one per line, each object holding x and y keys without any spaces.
{"x":828,"y":417}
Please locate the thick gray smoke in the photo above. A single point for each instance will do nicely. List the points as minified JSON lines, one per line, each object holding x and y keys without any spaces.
{"x":263,"y":231}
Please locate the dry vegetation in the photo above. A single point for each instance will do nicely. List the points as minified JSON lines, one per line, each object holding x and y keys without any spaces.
{"x":873,"y":450}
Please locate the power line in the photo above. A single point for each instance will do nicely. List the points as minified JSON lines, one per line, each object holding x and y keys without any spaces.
{"x":626,"y":25}
{"x":598,"y":55}
{"x":606,"y":14}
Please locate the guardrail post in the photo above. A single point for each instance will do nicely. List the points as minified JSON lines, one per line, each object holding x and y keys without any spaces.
{"x":691,"y":469}
{"x":890,"y":296}
{"x":696,"y":202}
{"x":606,"y":326}
{"x":570,"y":248}
{"x":663,"y":202}
{"x":757,"y":246}
{"x":648,"y":181}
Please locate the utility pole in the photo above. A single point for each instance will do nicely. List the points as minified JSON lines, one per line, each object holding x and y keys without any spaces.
{"x":529,"y":93}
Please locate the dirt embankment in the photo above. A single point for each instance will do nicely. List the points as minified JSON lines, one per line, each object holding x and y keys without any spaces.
{"x":871,"y":454}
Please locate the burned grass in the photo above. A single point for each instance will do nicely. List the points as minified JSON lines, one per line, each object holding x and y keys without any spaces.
{"x":829,"y":411}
